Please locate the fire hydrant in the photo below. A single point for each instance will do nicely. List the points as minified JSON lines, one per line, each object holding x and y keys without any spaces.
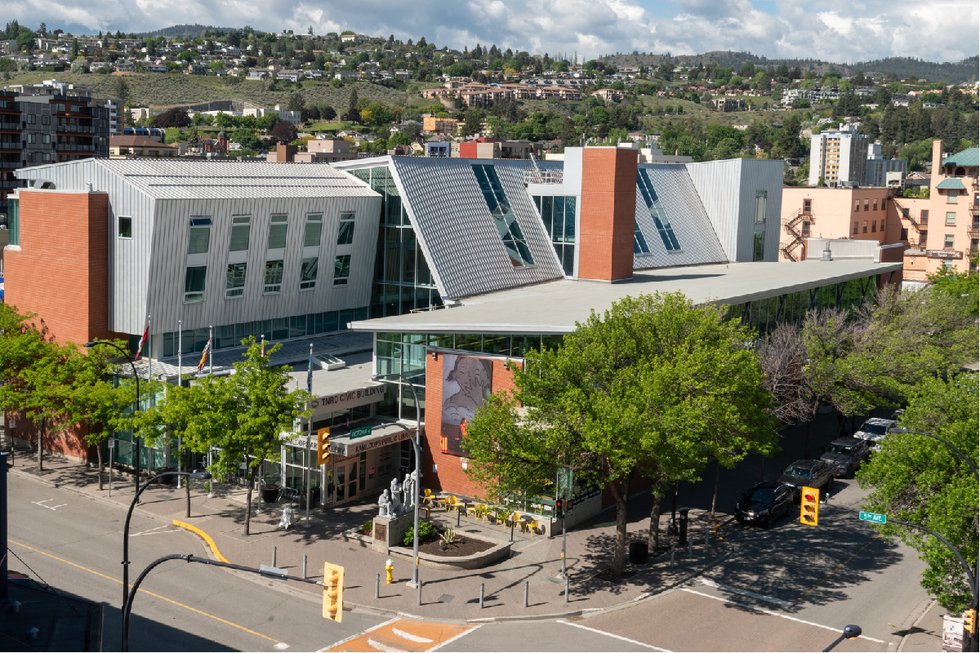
{"x":389,"y":571}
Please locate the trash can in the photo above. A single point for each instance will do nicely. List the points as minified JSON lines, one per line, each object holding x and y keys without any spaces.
{"x":270,"y":493}
{"x":639,"y":553}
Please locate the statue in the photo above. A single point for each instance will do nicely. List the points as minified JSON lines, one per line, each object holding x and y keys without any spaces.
{"x":396,"y":497}
{"x":408,"y":491}
{"x":384,"y":505}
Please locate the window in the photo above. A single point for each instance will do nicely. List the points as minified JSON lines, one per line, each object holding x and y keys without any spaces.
{"x":31,"y":138}
{"x":240,"y":228}
{"x":639,"y":242}
{"x":951,"y":218}
{"x":341,"y":270}
{"x":507,"y":227}
{"x":759,"y":246}
{"x":874,"y":226}
{"x":864,"y":227}
{"x":875,"y":205}
{"x":805,"y":228}
{"x":857,"y":206}
{"x":311,"y":231}
{"x":760,"y":206}
{"x":855,"y":228}
{"x":235,"y":280}
{"x":345,"y":234}
{"x":307,"y":274}
{"x":904,"y":235}
{"x":657,"y":211}
{"x":273,"y":277}
{"x":948,"y":241}
{"x":924,"y":216}
{"x":194,"y":283}
{"x":808,"y":205}
{"x":867,"y":204}
{"x":200,"y":236}
{"x":125,"y":226}
{"x":952,"y":196}
{"x":882,"y":227}
{"x":905,"y":212}
{"x":277,"y":232}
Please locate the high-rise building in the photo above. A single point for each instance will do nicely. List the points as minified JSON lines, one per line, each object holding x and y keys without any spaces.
{"x":838,"y":158}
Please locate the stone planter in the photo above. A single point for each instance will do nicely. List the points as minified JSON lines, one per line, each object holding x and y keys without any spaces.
{"x":499,"y":551}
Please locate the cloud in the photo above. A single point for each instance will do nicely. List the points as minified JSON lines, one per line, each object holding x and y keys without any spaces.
{"x":831,"y":30}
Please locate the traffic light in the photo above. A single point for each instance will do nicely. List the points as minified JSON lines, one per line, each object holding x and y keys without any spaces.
{"x":809,"y":506}
{"x":322,"y":445}
{"x":560,"y":507}
{"x":333,"y":592}
{"x":970,"y":621}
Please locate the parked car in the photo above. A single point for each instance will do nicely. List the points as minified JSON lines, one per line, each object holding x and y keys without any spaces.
{"x":809,"y":473}
{"x":846,"y":455}
{"x":763,"y":503}
{"x":874,"y":430}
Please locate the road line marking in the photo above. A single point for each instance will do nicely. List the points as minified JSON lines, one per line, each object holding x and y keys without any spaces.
{"x":356,"y":635}
{"x":156,"y":531}
{"x":147,"y":592}
{"x":378,"y":646}
{"x":41,"y":503}
{"x":775,"y":614}
{"x":619,"y":637}
{"x":454,"y":638}
{"x":410,"y":637}
{"x":786,"y":605}
{"x":204,"y":536}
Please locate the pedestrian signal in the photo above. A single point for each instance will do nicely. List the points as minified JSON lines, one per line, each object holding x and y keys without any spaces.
{"x":809,"y":506}
{"x":333,"y":592}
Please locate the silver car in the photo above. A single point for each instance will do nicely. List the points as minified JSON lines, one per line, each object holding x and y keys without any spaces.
{"x":874,"y":431}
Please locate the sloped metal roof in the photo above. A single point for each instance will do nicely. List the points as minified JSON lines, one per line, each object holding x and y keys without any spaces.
{"x":183,"y":179}
{"x":690,"y":223}
{"x":951,"y":183}
{"x":968,"y":158}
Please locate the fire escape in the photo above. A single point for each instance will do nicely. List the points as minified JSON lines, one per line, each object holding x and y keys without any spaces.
{"x":795,"y":248}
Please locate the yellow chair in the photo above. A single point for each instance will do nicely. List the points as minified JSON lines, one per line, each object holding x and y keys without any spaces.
{"x":531,"y":526}
{"x":451,"y":503}
{"x":427,"y":498}
{"x":512,"y":519}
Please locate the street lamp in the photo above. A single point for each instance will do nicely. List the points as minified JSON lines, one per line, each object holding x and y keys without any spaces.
{"x":850,"y":632}
{"x":200,"y":475}
{"x":904,"y":431}
{"x":136,"y":437}
{"x":416,"y":444}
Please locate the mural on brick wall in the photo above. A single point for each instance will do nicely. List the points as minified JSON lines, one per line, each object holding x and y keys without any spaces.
{"x":466,"y":385}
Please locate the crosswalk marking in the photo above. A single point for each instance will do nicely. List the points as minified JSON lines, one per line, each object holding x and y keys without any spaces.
{"x":402,"y":636}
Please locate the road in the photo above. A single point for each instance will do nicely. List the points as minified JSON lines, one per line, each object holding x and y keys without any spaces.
{"x":789,"y":588}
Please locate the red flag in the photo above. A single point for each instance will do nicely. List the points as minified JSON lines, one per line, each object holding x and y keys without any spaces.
{"x":143,"y":339}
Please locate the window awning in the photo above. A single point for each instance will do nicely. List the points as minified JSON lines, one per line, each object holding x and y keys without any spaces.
{"x":951,"y":183}
{"x":351,"y":442}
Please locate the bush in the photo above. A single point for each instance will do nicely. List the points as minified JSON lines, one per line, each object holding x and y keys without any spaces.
{"x":427,"y":533}
{"x":367,"y":527}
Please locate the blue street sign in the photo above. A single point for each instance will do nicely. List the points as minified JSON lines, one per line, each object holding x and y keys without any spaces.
{"x":873,"y":517}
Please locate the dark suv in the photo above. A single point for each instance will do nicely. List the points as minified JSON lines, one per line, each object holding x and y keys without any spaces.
{"x":846,"y":455}
{"x":809,"y":473}
{"x":763,"y":503}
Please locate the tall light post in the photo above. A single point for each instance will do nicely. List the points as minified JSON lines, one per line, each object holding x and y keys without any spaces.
{"x":416,"y":444}
{"x":136,"y":409}
{"x":200,"y":475}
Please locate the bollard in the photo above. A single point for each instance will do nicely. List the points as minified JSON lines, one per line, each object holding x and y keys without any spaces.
{"x":418,"y":592}
{"x":481,"y":595}
{"x":672,"y":551}
{"x":566,"y":589}
{"x":377,"y":586}
{"x":526,"y":583}
{"x":690,"y":547}
{"x":459,"y":513}
{"x":273,"y":555}
{"x":304,"y":565}
{"x":512,"y":521}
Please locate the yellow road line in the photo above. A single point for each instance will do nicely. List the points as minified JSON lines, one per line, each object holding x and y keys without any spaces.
{"x":204,"y":536}
{"x":153,"y":594}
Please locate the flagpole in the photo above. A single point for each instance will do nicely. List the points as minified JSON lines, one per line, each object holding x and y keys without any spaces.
{"x":309,"y":433}
{"x":180,"y":373}
{"x":211,"y":349}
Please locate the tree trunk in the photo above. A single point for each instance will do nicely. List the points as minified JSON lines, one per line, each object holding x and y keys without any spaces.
{"x":248,"y":497}
{"x":714,"y":494}
{"x":653,"y":538}
{"x":187,"y":486}
{"x":40,"y":446}
{"x":98,"y":453}
{"x":620,"y":492}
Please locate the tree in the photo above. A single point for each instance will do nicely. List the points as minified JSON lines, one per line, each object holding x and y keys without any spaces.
{"x":172,"y":118}
{"x":283,"y":131}
{"x":916,"y":479}
{"x":653,"y":388}
{"x":352,"y":115}
{"x":240,"y":417}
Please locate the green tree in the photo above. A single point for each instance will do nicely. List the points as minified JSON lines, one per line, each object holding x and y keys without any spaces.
{"x":655,"y":387}
{"x":240,"y":417}
{"x":916,"y":479}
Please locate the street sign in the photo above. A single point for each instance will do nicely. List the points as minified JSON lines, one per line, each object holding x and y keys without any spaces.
{"x":360,"y":432}
{"x":874,"y":517}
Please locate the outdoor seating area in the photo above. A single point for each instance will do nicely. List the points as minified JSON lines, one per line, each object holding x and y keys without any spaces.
{"x":528,"y":523}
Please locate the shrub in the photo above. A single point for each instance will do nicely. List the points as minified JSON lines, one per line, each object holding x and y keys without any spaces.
{"x":427,"y":532}
{"x":367,"y":527}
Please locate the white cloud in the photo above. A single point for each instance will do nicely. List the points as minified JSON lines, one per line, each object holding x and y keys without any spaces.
{"x":830,"y":30}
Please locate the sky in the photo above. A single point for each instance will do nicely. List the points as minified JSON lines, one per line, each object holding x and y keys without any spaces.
{"x":836,"y":31}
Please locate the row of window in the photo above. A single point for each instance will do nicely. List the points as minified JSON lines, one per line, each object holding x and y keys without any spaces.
{"x":657,"y":213}
{"x":236,"y":274}
{"x":510,"y":231}
{"x":864,"y":226}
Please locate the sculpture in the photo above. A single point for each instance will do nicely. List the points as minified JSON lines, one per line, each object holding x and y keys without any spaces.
{"x":384,"y":505}
{"x":396,"y":497}
{"x":408,"y":491}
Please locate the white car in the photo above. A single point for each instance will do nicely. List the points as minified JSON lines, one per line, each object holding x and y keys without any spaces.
{"x":874,"y":430}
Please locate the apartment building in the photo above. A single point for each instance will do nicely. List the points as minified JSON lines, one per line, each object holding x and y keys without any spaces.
{"x":838,"y":158}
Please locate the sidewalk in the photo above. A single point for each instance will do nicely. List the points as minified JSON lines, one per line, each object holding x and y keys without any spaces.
{"x":451,"y":595}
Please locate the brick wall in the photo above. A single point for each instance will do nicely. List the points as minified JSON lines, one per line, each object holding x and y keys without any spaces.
{"x":450,"y":475}
{"x":60,"y":271}
{"x":607,"y":213}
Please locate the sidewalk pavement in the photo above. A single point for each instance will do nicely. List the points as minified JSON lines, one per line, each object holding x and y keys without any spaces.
{"x":449,"y":595}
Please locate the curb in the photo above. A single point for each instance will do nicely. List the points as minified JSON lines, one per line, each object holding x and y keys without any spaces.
{"x":204,"y":536}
